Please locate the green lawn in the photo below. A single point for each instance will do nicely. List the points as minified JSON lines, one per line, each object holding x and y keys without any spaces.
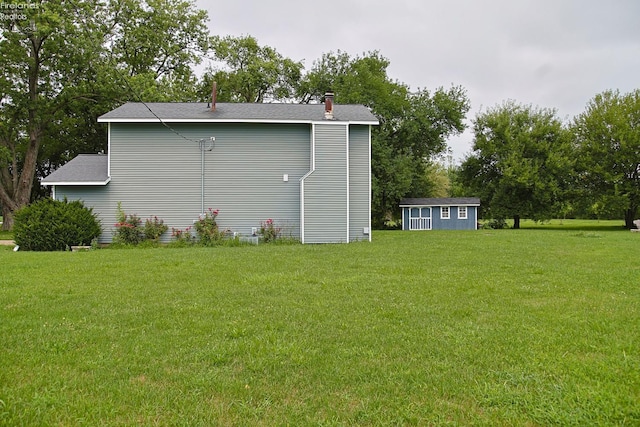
{"x":509,"y":327}
{"x":5,"y":235}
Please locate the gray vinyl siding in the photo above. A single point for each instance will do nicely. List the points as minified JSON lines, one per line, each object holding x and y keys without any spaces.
{"x":156,"y":172}
{"x":245,"y":175}
{"x":325,"y":190}
{"x":96,"y":197}
{"x":359,"y":183}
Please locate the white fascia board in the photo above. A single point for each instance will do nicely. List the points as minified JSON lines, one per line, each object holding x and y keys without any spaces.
{"x":77,"y":183}
{"x":368,"y":123}
{"x":343,"y":122}
{"x":154,"y":120}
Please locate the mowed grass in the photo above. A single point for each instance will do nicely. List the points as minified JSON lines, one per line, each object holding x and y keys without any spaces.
{"x":509,"y":327}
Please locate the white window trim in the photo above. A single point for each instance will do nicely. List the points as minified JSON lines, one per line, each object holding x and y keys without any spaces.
{"x":442,"y":210}
{"x":465,"y":210}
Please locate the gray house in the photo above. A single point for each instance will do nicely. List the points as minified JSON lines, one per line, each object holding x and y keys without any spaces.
{"x":440,"y":213}
{"x":307,"y":167}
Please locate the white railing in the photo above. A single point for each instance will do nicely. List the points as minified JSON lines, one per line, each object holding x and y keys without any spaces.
{"x":420,"y":224}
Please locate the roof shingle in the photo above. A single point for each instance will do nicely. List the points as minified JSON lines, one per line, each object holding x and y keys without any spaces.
{"x":445,"y":201}
{"x":85,"y":169}
{"x":236,"y":112}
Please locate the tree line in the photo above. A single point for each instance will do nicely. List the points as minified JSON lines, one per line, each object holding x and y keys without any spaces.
{"x":69,"y":62}
{"x":527,"y":163}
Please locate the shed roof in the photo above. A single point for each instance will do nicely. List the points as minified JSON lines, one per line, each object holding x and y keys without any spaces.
{"x":85,"y":169}
{"x":446,"y":201}
{"x":236,"y":112}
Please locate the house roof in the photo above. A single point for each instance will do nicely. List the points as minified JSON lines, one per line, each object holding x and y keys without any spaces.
{"x":236,"y":112}
{"x":446,"y":201}
{"x":85,"y":169}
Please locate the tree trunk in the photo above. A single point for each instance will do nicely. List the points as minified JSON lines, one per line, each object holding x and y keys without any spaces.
{"x":8,"y":207}
{"x":7,"y":219}
{"x":17,"y":194}
{"x":516,"y":222}
{"x":629,"y":217}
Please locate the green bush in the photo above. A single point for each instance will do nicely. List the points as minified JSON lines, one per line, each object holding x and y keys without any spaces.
{"x":182,"y":237}
{"x":130,"y":231}
{"x":495,"y":224}
{"x":128,"y":228}
{"x":207,"y":229}
{"x":53,"y":225}
{"x":269,"y":231}
{"x":154,"y":228}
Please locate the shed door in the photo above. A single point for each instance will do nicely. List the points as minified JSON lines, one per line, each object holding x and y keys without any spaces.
{"x":420,"y":219}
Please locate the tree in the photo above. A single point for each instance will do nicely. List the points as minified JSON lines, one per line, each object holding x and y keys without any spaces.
{"x":249,"y":72}
{"x":607,"y":140}
{"x":414,"y":126}
{"x":439,"y":177}
{"x":66,"y":62}
{"x":155,"y":43}
{"x":519,"y":162}
{"x":38,"y":64}
{"x":413,"y":139}
{"x":456,"y":186}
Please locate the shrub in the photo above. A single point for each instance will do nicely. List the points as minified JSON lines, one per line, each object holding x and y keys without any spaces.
{"x":128,"y":228}
{"x":154,"y":228}
{"x":182,"y":237}
{"x":207,"y":228}
{"x":54,"y":225}
{"x":269,"y":231}
{"x":495,"y":224}
{"x":130,"y":231}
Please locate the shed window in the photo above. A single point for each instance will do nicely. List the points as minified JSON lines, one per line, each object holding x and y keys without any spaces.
{"x":444,"y":212}
{"x":462,"y":212}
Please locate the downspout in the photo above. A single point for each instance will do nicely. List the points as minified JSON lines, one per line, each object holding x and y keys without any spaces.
{"x":370,"y":230}
{"x":109,"y":150}
{"x":202,"y":150}
{"x":311,"y":170}
{"x":348,"y":184}
{"x":202,"y":177}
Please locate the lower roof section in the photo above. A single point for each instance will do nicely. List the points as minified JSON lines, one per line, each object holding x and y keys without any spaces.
{"x":444,"y":201}
{"x":85,"y":169}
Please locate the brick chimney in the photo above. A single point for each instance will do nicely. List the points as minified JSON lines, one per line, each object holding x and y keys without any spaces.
{"x":214,"y":96}
{"x":328,"y":105}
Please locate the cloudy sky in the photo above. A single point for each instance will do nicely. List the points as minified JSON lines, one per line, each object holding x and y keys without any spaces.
{"x":548,"y":53}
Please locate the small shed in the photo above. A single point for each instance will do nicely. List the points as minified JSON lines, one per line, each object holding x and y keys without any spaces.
{"x":453,"y":213}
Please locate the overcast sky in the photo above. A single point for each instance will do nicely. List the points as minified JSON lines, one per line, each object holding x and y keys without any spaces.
{"x":548,"y":53}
